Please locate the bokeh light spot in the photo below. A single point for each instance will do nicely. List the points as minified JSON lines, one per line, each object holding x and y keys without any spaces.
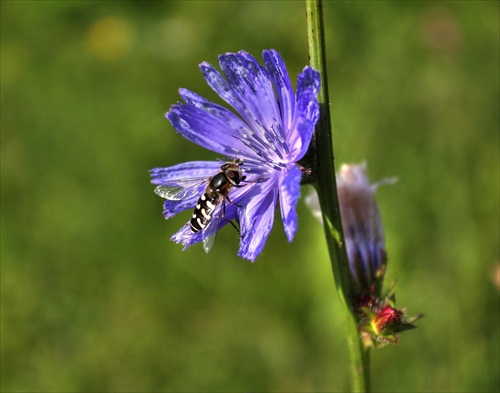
{"x":110,"y":38}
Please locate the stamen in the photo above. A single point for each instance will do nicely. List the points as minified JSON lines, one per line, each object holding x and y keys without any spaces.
{"x":265,"y":150}
{"x":274,"y":138}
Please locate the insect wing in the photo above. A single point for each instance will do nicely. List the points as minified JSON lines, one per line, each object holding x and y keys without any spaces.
{"x":210,"y":232}
{"x":178,"y":190}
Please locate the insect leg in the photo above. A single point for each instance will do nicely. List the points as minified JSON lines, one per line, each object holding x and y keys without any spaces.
{"x":231,"y":202}
{"x":223,"y":214}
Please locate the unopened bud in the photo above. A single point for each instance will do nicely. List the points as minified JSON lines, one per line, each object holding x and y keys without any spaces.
{"x":363,"y":231}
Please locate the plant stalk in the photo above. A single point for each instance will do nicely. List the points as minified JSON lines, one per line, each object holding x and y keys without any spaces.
{"x":326,"y":187}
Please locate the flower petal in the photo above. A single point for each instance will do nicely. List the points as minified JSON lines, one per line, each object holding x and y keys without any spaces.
{"x":235,"y":124}
{"x":256,"y":221}
{"x":186,"y":236}
{"x":281,"y":80}
{"x":171,"y":208}
{"x":306,"y":113}
{"x":308,"y":84}
{"x":299,"y":142}
{"x":191,"y":169}
{"x":220,"y":85}
{"x":221,"y":113}
{"x":289,"y":195}
{"x":251,"y":81}
{"x":204,"y":129}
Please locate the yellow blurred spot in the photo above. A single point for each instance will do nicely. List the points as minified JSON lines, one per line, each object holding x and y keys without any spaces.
{"x":110,"y":38}
{"x":15,"y":61}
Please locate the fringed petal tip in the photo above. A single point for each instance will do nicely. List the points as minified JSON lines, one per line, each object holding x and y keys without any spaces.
{"x":309,"y":79}
{"x":186,"y":237}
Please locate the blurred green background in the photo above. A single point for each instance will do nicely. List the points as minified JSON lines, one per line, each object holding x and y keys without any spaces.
{"x":94,"y":295}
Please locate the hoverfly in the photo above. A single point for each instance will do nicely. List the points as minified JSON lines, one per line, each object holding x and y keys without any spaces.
{"x":216,"y":193}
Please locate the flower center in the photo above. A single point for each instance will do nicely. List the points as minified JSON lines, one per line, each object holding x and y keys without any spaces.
{"x":267,"y":143}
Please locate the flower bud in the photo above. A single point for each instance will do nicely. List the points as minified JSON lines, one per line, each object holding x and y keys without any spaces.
{"x":379,"y":321}
{"x":363,"y":231}
{"x":386,"y":320}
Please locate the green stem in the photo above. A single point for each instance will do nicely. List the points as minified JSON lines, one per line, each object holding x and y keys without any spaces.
{"x":327,"y":192}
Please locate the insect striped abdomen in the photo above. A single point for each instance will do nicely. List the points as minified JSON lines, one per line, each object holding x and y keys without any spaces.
{"x":203,"y":211}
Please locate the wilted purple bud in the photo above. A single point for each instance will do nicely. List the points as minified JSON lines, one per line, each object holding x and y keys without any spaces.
{"x":379,"y":321}
{"x":363,"y":231}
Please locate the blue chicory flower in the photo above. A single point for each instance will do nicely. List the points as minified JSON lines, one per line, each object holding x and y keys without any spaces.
{"x":270,"y":132}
